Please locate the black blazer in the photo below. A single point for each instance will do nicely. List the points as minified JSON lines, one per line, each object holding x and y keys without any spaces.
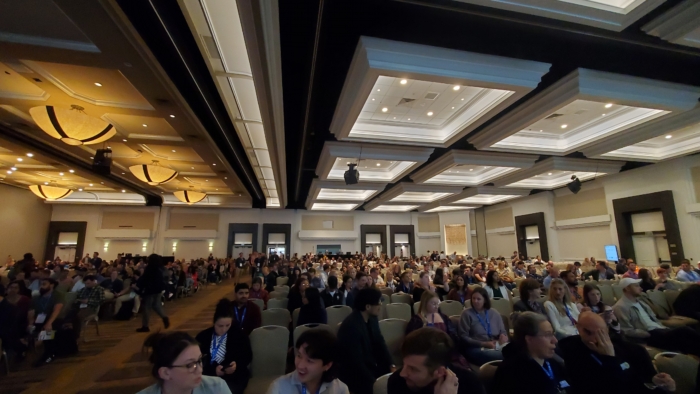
{"x":522,"y":375}
{"x":237,"y":349}
{"x":364,"y":354}
{"x":335,"y":299}
{"x":609,"y":273}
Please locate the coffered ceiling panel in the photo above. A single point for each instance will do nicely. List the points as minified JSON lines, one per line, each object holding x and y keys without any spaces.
{"x":409,"y":94}
{"x":143,"y":127}
{"x":678,"y":143}
{"x":378,"y":205}
{"x":679,"y":25}
{"x":556,"y":172}
{"x":331,"y":206}
{"x":405,"y":192}
{"x":484,"y":195}
{"x":441,"y":206}
{"x":338,"y":192}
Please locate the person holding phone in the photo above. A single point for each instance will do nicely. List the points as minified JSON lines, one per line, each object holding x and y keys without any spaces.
{"x":593,"y":299}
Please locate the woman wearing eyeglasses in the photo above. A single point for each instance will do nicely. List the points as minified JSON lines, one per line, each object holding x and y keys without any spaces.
{"x":177,"y":365}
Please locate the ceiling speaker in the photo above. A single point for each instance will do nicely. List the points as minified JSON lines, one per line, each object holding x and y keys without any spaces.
{"x":574,"y":185}
{"x":352,"y":176}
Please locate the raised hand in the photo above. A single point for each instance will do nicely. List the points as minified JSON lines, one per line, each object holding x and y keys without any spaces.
{"x":447,"y":384}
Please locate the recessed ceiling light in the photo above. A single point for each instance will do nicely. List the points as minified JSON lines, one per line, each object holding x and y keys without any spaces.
{"x":471,"y":169}
{"x":161,"y":192}
{"x":347,"y":163}
{"x":217,"y":190}
{"x":540,"y":131}
{"x":385,"y":109}
{"x":9,"y":172}
{"x":668,"y":137}
{"x":92,"y":157}
{"x":403,"y":82}
{"x":430,"y":113}
{"x":14,"y":168}
{"x":30,"y":154}
{"x":225,"y":177}
{"x":109,"y":147}
{"x":409,"y":118}
{"x":207,"y":180}
{"x":60,"y":174}
{"x":71,"y":171}
{"x":564,"y":126}
{"x":80,"y":190}
{"x":193,"y":168}
{"x":174,"y":151}
{"x":379,"y":90}
{"x":102,"y":183}
{"x":46,"y":183}
{"x":123,"y":173}
{"x":124,"y":140}
{"x":98,"y":84}
{"x":455,"y":88}
{"x":172,"y":116}
{"x":214,"y":163}
{"x":19,"y":159}
{"x":603,"y":114}
{"x":372,"y":99}
{"x":549,"y":173}
{"x":453,"y":107}
{"x":91,"y":184}
{"x":394,"y":117}
{"x":462,"y":99}
{"x":144,"y":125}
{"x":608,"y":105}
{"x":378,"y":165}
{"x":123,"y":191}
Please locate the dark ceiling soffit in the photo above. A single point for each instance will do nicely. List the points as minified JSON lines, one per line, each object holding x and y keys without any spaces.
{"x":34,"y":145}
{"x":165,"y":31}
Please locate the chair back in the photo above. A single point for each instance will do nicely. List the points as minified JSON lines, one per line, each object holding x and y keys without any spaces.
{"x":380,"y":385}
{"x":455,"y":320}
{"x":617,"y":290}
{"x":682,"y":368}
{"x":282,"y":289}
{"x":502,"y":305}
{"x":312,"y":326}
{"x":671,"y":296}
{"x":606,"y":293}
{"x":516,"y":292}
{"x":386,"y":291}
{"x":415,"y":277}
{"x":404,"y":298}
{"x":259,"y":302}
{"x":416,"y":307}
{"x":269,"y":345}
{"x":295,"y":316}
{"x":282,"y":280}
{"x":394,"y":331}
{"x":278,"y":294}
{"x":659,"y":303}
{"x":277,"y":303}
{"x":487,"y":372}
{"x":451,"y":308}
{"x":399,"y":311}
{"x":336,"y":314}
{"x":467,"y":304}
{"x":386,"y":300}
{"x":275,"y":317}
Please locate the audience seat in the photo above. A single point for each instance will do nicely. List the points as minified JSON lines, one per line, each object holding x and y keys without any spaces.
{"x":606,"y":292}
{"x":399,"y":311}
{"x":336,"y":314}
{"x":515,"y":292}
{"x":295,"y":316}
{"x":269,"y":345}
{"x":467,"y":304}
{"x":276,"y":317}
{"x":455,"y":320}
{"x":277,"y":303}
{"x":513,"y":300}
{"x":282,"y":280}
{"x":664,"y":311}
{"x":503,"y":306}
{"x":312,"y":326}
{"x":416,"y":307}
{"x":682,"y":368}
{"x":415,"y":277}
{"x":653,"y":351}
{"x":401,"y":298}
{"x":387,"y":291}
{"x":487,"y":372}
{"x":278,"y":294}
{"x":474,"y":286}
{"x":94,"y":317}
{"x":380,"y":385}
{"x":260,"y":303}
{"x":282,"y":289}
{"x":386,"y":300}
{"x":450,"y":308}
{"x":671,"y":296}
{"x":617,"y":291}
{"x":394,"y":331}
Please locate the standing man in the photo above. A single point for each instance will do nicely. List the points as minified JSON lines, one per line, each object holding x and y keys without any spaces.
{"x":271,"y":280}
{"x":43,"y":315}
{"x":96,"y":261}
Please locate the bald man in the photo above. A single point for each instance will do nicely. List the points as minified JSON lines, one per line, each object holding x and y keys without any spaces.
{"x":596,"y":364}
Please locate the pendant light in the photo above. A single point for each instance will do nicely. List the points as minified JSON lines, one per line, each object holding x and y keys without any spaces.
{"x":72,"y":126}
{"x":189,"y":197}
{"x":50,"y":193}
{"x":154,"y":174}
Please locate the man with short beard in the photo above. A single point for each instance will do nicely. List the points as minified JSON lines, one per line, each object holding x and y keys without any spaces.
{"x":44,"y":316}
{"x":572,"y":283}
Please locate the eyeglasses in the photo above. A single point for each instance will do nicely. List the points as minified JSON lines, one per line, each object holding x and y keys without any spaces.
{"x":190,"y":367}
{"x":546,"y":335}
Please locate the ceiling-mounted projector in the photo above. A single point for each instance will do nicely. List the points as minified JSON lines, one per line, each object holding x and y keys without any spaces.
{"x":574,"y":185}
{"x":352,"y":176}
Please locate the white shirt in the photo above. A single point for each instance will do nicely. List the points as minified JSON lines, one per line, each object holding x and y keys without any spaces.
{"x":646,"y":319}
{"x":563,"y":326}
{"x":79,"y":285}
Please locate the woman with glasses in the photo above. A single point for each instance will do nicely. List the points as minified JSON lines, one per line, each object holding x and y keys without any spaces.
{"x":226,"y":351}
{"x":177,"y":365}
{"x":528,"y":366}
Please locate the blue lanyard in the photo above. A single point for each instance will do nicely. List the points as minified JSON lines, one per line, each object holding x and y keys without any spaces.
{"x":431,"y":324}
{"x":573,"y":321}
{"x":486,"y":326}
{"x":404,"y":288}
{"x":461,"y":298}
{"x":548,"y":370}
{"x":240,"y":321}
{"x":303,"y":389}
{"x":215,"y":345}
{"x":597,"y":359}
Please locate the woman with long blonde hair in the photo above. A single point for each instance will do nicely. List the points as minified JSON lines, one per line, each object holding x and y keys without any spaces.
{"x":562,"y":313}
{"x":429,"y":315}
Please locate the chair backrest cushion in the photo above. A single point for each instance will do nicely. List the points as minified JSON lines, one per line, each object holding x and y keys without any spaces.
{"x":269,"y":345}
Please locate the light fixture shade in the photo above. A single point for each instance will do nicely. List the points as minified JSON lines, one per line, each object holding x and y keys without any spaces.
{"x":72,"y":126}
{"x":153,"y":174}
{"x":189,"y":196}
{"x":50,"y":193}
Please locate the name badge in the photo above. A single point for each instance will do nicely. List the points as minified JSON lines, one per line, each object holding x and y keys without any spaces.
{"x":83,"y":306}
{"x":624,"y":366}
{"x":40,"y":318}
{"x":563,"y":384}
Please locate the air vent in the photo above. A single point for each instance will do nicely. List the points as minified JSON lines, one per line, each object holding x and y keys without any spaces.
{"x":125,"y":226}
{"x":580,"y":112}
{"x":406,"y":101}
{"x":189,"y":226}
{"x":210,"y":45}
{"x":552,"y":116}
{"x":431,"y":95}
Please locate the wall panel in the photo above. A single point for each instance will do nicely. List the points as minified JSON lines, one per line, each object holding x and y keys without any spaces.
{"x":584,"y":204}
{"x":24,"y":223}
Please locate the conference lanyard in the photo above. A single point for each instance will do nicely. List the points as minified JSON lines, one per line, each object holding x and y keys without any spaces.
{"x":431,"y":324}
{"x":404,"y":288}
{"x":573,"y":321}
{"x":486,"y":326}
{"x":215,"y":345}
{"x":548,"y":370}
{"x":240,"y":321}
{"x":597,"y":359}
{"x":303,"y":389}
{"x":461,"y":298}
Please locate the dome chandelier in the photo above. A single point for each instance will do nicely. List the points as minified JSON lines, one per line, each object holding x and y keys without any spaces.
{"x":72,"y":126}
{"x":50,"y":192}
{"x":154,"y":174}
{"x":189,"y":197}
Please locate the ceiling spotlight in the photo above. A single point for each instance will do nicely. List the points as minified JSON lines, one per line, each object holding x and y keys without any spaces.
{"x":90,"y":184}
{"x":409,"y":118}
{"x":19,"y":159}
{"x":14,"y":168}
{"x":207,"y":180}
{"x":394,"y":117}
{"x":98,"y":84}
{"x":372,"y":99}
{"x":564,"y":126}
{"x":102,"y":183}
{"x":462,"y":99}
{"x":46,"y":183}
{"x":378,"y":165}
{"x":549,"y":173}
{"x":123,"y":173}
{"x":214,"y":164}
{"x":60,"y":174}
{"x":9,"y":172}
{"x":603,"y":114}
{"x":123,"y":191}
{"x":80,"y":190}
{"x":430,"y":113}
{"x":30,"y":154}
{"x":574,"y":185}
{"x":379,"y":90}
{"x":144,"y":125}
{"x":385,"y":109}
{"x":71,"y":171}
{"x":455,"y":88}
{"x":668,"y":137}
{"x":193,"y":168}
{"x":403,"y":82}
{"x":174,"y":151}
{"x":124,"y":140}
{"x":172,"y":116}
{"x":608,"y":105}
{"x":471,"y":169}
{"x":92,"y":157}
{"x":453,"y":107}
{"x":225,"y":177}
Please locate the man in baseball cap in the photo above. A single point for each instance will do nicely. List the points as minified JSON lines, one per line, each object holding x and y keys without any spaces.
{"x":638,"y":320}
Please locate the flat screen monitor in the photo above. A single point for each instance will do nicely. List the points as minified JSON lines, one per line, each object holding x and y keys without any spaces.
{"x":611,"y":253}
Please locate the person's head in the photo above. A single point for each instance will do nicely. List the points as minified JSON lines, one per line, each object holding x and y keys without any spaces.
{"x":389,"y":276}
{"x":374,"y":273}
{"x":589,"y":324}
{"x":47,"y":285}
{"x":368,"y":300}
{"x":493,"y":279}
{"x":532,"y":331}
{"x":312,"y":297}
{"x":405,"y":277}
{"x":424,"y":279}
{"x":501,"y":264}
{"x":426,"y":354}
{"x":685,"y":265}
{"x":577,"y":264}
{"x":242,"y":293}
{"x":429,"y":303}
{"x":257,"y":283}
{"x":458,"y":282}
{"x":90,"y":281}
{"x":644,"y":275}
{"x":223,"y":316}
{"x":480,"y":299}
{"x":315,"y":351}
{"x":559,"y":292}
{"x":632,"y":266}
{"x":13,"y":288}
{"x":361,"y":280}
{"x":311,"y":272}
{"x":520,"y":264}
{"x":302,"y":284}
{"x":332,"y":282}
{"x":553,"y":272}
{"x":660,"y":272}
{"x":347,"y":282}
{"x":601,"y":266}
{"x":532,"y":270}
{"x":176,"y":359}
{"x":592,"y":295}
{"x":530,"y":289}
{"x":569,"y":278}
{"x":631,"y":287}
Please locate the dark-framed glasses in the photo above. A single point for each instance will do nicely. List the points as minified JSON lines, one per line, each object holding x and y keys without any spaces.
{"x":190,"y":367}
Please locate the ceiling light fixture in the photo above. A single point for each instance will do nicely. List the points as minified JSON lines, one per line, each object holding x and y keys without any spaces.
{"x":153,"y":174}
{"x":30,"y":154}
{"x":80,"y":190}
{"x":9,"y":172}
{"x":564,"y":126}
{"x":430,"y":113}
{"x":60,"y":174}
{"x":549,"y":173}
{"x":189,"y":197}
{"x":471,"y":169}
{"x":14,"y":168}
{"x":144,"y":125}
{"x":123,"y":191}
{"x":124,"y":140}
{"x":455,"y":88}
{"x":385,"y":109}
{"x":403,"y":82}
{"x":50,"y":193}
{"x":378,"y":165}
{"x":174,"y":150}
{"x":19,"y":159}
{"x":379,"y":90}
{"x":90,"y":184}
{"x":98,"y":84}
{"x":453,"y":107}
{"x":608,"y":105}
{"x":574,"y":185}
{"x":72,"y":126}
{"x":172,"y":116}
{"x":71,"y":171}
{"x":372,"y":99}
{"x":214,"y":164}
{"x":668,"y":137}
{"x":409,"y":118}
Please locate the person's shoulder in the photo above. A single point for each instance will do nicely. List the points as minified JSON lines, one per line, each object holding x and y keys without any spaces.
{"x":571,"y":344}
{"x":153,"y":389}
{"x":468,"y":381}
{"x":212,"y":385}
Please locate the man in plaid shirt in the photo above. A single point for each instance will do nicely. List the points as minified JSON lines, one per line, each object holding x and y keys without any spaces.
{"x":89,"y":299}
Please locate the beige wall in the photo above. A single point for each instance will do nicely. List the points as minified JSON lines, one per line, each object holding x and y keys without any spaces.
{"x":499,"y":218}
{"x":584,"y":204}
{"x":24,"y":223}
{"x":695,"y":175}
{"x":199,"y":221}
{"x":128,"y":220}
{"x":429,"y":224}
{"x":315,"y":222}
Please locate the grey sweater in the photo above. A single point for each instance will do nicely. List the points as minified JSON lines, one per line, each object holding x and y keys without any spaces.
{"x":472,"y":332}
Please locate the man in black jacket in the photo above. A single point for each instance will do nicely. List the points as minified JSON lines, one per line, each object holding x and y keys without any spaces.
{"x":364,"y":355}
{"x":601,"y":271}
{"x":594,"y":364}
{"x":271,"y":280}
{"x":330,"y":295}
